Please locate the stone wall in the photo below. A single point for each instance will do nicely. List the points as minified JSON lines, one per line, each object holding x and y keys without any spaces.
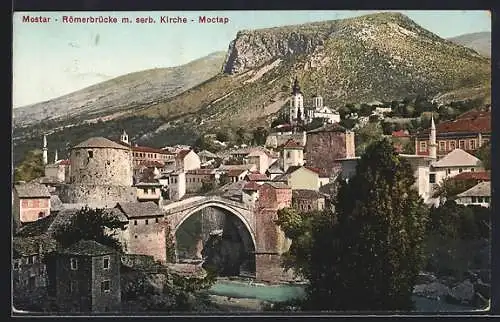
{"x":101,"y":166}
{"x":269,"y":269}
{"x":101,"y":195}
{"x":147,"y":238}
{"x":323,"y":148}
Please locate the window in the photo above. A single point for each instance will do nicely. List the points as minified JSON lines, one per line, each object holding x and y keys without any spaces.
{"x":461,"y":144}
{"x":135,"y":222}
{"x":146,"y":221}
{"x":77,"y":153}
{"x":423,"y":146}
{"x":432,"y":178}
{"x":29,"y":260}
{"x":73,"y":286}
{"x":288,"y":154}
{"x":472,"y":144}
{"x":146,"y":190}
{"x":452,"y":145}
{"x":34,"y":259}
{"x":16,"y":264}
{"x":460,"y":170}
{"x":135,"y":236}
{"x":474,"y":199}
{"x":486,"y":199}
{"x":448,"y":171}
{"x":442,"y":145}
{"x":105,"y":286}
{"x":73,"y":264}
{"x":31,"y":282}
{"x":156,"y":220}
{"x":91,"y":154}
{"x":105,"y":262}
{"x":472,"y":169}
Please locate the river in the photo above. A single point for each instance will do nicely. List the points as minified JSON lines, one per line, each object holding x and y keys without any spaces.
{"x":237,"y":291}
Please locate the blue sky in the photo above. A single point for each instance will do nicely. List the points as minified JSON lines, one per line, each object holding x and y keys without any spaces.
{"x":53,"y":59}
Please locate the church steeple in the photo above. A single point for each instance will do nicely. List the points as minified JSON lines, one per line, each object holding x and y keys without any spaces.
{"x":296,"y":87}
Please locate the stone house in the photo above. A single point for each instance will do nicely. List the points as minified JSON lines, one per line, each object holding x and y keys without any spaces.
{"x":308,"y":200}
{"x":31,"y":201}
{"x":467,"y":132}
{"x":149,"y":191}
{"x":236,"y":175}
{"x":455,"y":162}
{"x":176,"y":185}
{"x":300,"y":177}
{"x":292,"y":155}
{"x":145,"y":232}
{"x":262,"y":159}
{"x":327,"y":144}
{"x":59,"y":170}
{"x":256,"y":177}
{"x":85,"y":277}
{"x":187,"y":160}
{"x":275,"y":169}
{"x":142,"y":154}
{"x":400,"y":139}
{"x":250,"y":193}
{"x":196,"y":178}
{"x":479,"y":195}
{"x":206,"y":156}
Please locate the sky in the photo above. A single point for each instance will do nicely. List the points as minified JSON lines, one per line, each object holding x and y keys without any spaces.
{"x":55,"y":58}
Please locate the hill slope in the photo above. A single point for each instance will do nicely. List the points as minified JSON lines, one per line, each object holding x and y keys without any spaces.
{"x":382,"y":56}
{"x":122,"y":94}
{"x":479,"y":41}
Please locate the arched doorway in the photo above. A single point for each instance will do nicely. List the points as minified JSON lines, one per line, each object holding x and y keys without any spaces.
{"x":219,"y":238}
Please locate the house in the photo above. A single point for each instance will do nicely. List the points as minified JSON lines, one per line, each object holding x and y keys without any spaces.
{"x":293,"y":154}
{"x":31,"y":201}
{"x":85,"y":277}
{"x":196,"y":178}
{"x":260,"y":158}
{"x":142,"y":154}
{"x":467,"y":132}
{"x":59,"y":170}
{"x":300,"y":177}
{"x":455,"y":162}
{"x":250,"y":193}
{"x":257,"y":177}
{"x":400,"y":139}
{"x":145,"y":232}
{"x":275,"y":169}
{"x":187,"y":160}
{"x":308,"y":200}
{"x":148,"y":188}
{"x":206,"y":156}
{"x":477,"y":176}
{"x":236,"y":175}
{"x":176,"y":185}
{"x":480,"y":195}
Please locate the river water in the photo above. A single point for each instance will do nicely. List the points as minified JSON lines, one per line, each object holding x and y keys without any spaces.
{"x":277,"y":293}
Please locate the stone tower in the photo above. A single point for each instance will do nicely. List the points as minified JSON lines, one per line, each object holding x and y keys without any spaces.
{"x":101,"y":173}
{"x":45,"y":151}
{"x":432,"y":140}
{"x":296,"y":103}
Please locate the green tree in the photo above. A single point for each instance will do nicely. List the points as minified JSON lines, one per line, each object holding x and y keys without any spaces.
{"x":375,"y":238}
{"x":484,"y":154}
{"x":448,"y":188}
{"x":31,"y":167}
{"x":90,"y":224}
{"x":260,"y":135}
{"x":366,"y":135}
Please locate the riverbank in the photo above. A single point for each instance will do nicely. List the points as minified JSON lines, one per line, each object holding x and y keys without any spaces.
{"x":231,"y":304}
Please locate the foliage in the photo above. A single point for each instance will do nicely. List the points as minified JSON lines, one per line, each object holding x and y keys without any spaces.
{"x":90,"y":224}
{"x":31,"y":168}
{"x":375,"y":238}
{"x":366,"y":135}
{"x":260,"y":135}
{"x":484,"y":154}
{"x":224,"y":179}
{"x":449,"y":188}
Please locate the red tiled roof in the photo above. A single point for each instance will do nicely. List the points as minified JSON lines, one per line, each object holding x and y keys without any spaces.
{"x":479,"y":175}
{"x":400,"y":133}
{"x":146,"y":149}
{"x":470,"y":122}
{"x":257,"y":177}
{"x":291,"y":144}
{"x":252,"y":185}
{"x":64,"y":162}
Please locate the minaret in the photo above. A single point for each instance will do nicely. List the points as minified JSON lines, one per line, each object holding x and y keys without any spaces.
{"x":44,"y":149}
{"x":297,"y":102}
{"x":432,"y":140}
{"x":124,"y":137}
{"x":56,"y":158}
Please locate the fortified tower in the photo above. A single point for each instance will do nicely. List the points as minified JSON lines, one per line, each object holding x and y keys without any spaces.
{"x":101,"y":174}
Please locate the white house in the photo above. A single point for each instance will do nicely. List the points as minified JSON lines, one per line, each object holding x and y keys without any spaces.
{"x":177,"y":185}
{"x":187,"y":160}
{"x":455,"y":162}
{"x":479,"y":195}
{"x":260,"y":158}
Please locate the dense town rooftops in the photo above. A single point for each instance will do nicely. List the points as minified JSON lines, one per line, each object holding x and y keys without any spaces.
{"x":473,"y":122}
{"x":32,"y":190}
{"x":482,"y":189}
{"x":140,"y":209}
{"x":87,"y":248}
{"x":457,"y":158}
{"x":100,"y":142}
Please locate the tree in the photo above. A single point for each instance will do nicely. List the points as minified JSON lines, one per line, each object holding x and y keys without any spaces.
{"x":31,"y":167}
{"x":375,"y":238}
{"x":448,"y":188}
{"x":484,"y":154}
{"x":366,"y":135}
{"x":260,"y":135}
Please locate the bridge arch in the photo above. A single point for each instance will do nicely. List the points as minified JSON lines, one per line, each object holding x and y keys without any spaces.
{"x":220,"y":205}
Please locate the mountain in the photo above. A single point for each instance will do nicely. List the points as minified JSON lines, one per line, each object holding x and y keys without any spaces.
{"x":121,"y":94}
{"x":479,"y":41}
{"x":384,"y":56}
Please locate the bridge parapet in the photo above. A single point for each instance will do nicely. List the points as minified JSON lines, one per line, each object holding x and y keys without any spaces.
{"x":172,"y":209}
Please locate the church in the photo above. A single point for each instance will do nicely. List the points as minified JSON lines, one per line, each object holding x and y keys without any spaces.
{"x":299,"y":114}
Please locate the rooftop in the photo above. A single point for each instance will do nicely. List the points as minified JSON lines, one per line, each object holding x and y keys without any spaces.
{"x":182,"y":154}
{"x":470,"y":122}
{"x":87,"y":248}
{"x":252,"y":186}
{"x":32,"y":190}
{"x":32,"y":245}
{"x":292,"y":144}
{"x":140,"y":209}
{"x":277,"y":185}
{"x":100,"y":142}
{"x":201,"y":172}
{"x":476,"y":175}
{"x":256,"y":177}
{"x":328,"y":128}
{"x":307,"y":194}
{"x":457,"y":158}
{"x":482,"y":189}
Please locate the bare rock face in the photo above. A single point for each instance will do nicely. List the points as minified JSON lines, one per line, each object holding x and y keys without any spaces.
{"x":463,"y":292}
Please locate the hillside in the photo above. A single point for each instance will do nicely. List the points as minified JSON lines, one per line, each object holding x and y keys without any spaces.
{"x":479,"y":41}
{"x":122,"y":94}
{"x":381,"y":57}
